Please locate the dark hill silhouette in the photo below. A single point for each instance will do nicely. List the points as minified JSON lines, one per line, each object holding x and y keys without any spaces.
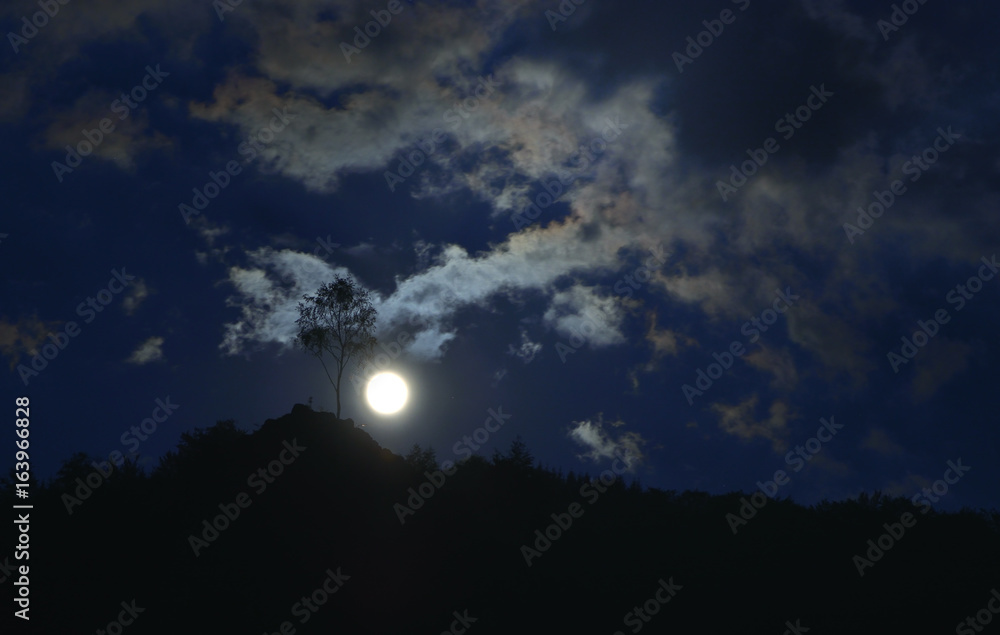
{"x":331,"y":511}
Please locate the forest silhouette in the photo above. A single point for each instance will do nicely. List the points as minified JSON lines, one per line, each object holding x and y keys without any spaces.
{"x":342,"y":514}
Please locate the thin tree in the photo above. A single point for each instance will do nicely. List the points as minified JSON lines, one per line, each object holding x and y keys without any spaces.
{"x":340,"y":321}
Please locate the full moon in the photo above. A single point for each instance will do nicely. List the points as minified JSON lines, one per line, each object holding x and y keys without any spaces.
{"x":386,"y":393}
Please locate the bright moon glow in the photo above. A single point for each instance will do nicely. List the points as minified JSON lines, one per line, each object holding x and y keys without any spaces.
{"x":386,"y":393}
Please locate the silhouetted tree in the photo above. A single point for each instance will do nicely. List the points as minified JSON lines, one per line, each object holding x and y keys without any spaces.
{"x":274,"y":508}
{"x":422,"y":460}
{"x":519,"y":456}
{"x":339,"y":320}
{"x":202,"y":446}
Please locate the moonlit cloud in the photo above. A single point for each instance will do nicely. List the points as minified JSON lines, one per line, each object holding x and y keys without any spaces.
{"x":627,"y":446}
{"x":527,"y":350}
{"x":778,"y":363}
{"x":23,"y":338}
{"x":149,"y":351}
{"x":741,"y":421}
{"x":268,"y":295}
{"x":138,"y":292}
{"x":580,"y":312}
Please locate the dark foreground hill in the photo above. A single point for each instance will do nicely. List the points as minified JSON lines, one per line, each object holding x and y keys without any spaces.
{"x":343,"y":536}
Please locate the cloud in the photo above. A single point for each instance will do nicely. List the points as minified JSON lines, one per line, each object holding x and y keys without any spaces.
{"x":943,"y":360}
{"x":24,"y":337}
{"x":122,"y":145}
{"x":878,"y":440}
{"x":498,"y":377}
{"x":779,"y":363}
{"x":357,"y":117}
{"x":580,"y":312}
{"x":834,"y":468}
{"x":626,"y":447}
{"x":533,"y":125}
{"x":713,"y":291}
{"x":907,"y":486}
{"x":664,"y":341}
{"x":393,"y":93}
{"x":430,"y":343}
{"x":149,"y":351}
{"x":838,"y":344}
{"x":268,"y":294}
{"x":63,"y":37}
{"x":838,"y":17}
{"x":455,"y":281}
{"x":138,"y":292}
{"x":528,"y":349}
{"x":533,"y":261}
{"x":428,"y":301}
{"x":739,"y":420}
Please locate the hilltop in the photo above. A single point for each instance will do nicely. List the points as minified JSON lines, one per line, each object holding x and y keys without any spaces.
{"x":234,"y":531}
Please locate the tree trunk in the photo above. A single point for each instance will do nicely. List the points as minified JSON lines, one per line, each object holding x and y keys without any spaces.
{"x":338,"y":395}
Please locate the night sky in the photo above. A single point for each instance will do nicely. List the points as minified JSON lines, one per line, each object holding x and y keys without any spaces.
{"x":681,"y":234}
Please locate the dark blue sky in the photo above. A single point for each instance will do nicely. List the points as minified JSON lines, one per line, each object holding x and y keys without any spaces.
{"x":737,"y":156}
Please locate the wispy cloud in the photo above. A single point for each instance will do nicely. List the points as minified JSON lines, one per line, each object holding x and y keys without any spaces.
{"x":740,"y":421}
{"x":527,"y":350}
{"x":878,"y":440}
{"x":136,"y":296}
{"x":626,"y":446}
{"x":149,"y":351}
{"x":23,"y":337}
